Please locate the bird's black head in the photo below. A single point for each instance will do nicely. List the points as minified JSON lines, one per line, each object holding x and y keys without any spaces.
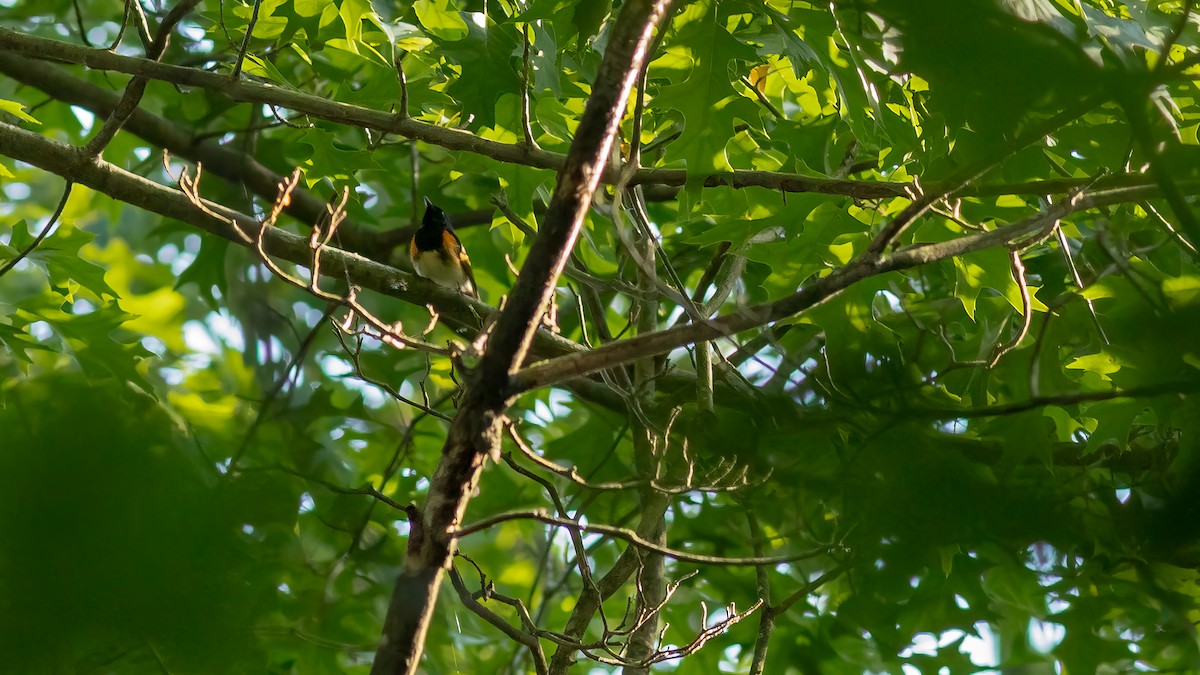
{"x":435,"y":218}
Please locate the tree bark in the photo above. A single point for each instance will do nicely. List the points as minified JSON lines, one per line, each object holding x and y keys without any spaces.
{"x":475,"y":433}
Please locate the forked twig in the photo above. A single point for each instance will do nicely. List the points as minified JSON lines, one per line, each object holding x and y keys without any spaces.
{"x":323,"y":231}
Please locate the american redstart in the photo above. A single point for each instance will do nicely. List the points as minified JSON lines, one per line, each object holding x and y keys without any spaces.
{"x":438,"y":255}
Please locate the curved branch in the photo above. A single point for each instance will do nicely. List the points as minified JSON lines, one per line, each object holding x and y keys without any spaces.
{"x":1183,"y":387}
{"x":813,"y":294}
{"x":219,"y":160}
{"x":635,"y":539}
{"x":41,"y":236}
{"x":63,"y":160}
{"x":513,"y":153}
{"x":137,"y":86}
{"x":475,"y":434}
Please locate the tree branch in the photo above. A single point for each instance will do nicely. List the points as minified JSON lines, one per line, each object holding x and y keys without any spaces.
{"x":219,"y":160}
{"x":813,"y":294}
{"x":62,"y":204}
{"x":476,"y":431}
{"x":514,"y":153}
{"x":64,"y":160}
{"x":137,"y":86}
{"x":636,"y":540}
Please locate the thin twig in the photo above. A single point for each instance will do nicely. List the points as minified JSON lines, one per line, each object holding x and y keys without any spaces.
{"x":83,"y":36}
{"x":633,"y":538}
{"x":453,"y":139}
{"x":762,"y":98}
{"x":1164,"y":52}
{"x":241,"y":55}
{"x":811,"y":586}
{"x":387,"y":333}
{"x":1064,"y":245}
{"x":137,"y":86}
{"x":368,"y":490}
{"x":277,"y":389}
{"x":62,"y":204}
{"x":528,"y":640}
{"x":1018,"y":273}
{"x":526,"y":125}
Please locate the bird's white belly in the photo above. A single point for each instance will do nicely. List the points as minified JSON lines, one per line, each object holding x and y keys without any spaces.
{"x":431,"y":266}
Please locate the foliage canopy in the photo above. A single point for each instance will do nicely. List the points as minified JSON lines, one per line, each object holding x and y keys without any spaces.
{"x":880,"y":329}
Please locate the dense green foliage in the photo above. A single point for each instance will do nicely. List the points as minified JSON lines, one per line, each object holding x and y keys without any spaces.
{"x":201,"y":473}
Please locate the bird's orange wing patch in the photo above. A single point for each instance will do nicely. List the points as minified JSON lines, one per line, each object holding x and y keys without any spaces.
{"x":458,"y":255}
{"x":453,"y":246}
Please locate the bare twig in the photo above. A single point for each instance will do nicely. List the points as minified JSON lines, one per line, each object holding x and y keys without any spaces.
{"x":79,"y":23}
{"x":453,"y":139}
{"x":368,"y":490}
{"x":529,"y":640}
{"x":318,"y":242}
{"x":137,"y":86}
{"x":1147,"y":391}
{"x":62,"y":204}
{"x":354,"y":353}
{"x":526,"y":126}
{"x":1018,"y":273}
{"x":1183,"y":241}
{"x":241,"y":55}
{"x":762,"y":98}
{"x":817,"y":292}
{"x":1164,"y":51}
{"x":812,"y":586}
{"x":1065,"y":246}
{"x":635,"y":539}
{"x":280,"y":384}
{"x":766,"y":618}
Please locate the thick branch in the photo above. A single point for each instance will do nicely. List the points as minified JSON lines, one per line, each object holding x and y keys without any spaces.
{"x":513,"y":153}
{"x":218,"y":159}
{"x":66,"y":161}
{"x":813,"y":294}
{"x":476,"y":431}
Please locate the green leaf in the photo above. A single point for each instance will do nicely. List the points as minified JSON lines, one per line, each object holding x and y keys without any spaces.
{"x":587,"y":19}
{"x":1102,"y":364}
{"x":484,"y":57}
{"x":1182,"y":290}
{"x":708,"y":100}
{"x":59,"y":256}
{"x":18,"y":342}
{"x":262,"y":68}
{"x":440,"y":20}
{"x":16,"y":110}
{"x":1114,"y":419}
{"x":990,"y":269}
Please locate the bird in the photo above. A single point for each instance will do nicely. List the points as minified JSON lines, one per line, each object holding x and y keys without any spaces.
{"x":438,"y":255}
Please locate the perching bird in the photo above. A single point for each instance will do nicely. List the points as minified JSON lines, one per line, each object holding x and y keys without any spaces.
{"x":438,"y":255}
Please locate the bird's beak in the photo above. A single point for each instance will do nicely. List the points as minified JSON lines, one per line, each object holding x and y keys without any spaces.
{"x":428,"y":203}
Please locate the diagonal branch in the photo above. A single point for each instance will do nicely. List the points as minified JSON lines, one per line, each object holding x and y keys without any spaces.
{"x":45,"y":49}
{"x":637,"y":540}
{"x":476,"y":432}
{"x":813,"y":294}
{"x":41,"y":236}
{"x":219,"y":160}
{"x":63,"y":160}
{"x":137,"y":86}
